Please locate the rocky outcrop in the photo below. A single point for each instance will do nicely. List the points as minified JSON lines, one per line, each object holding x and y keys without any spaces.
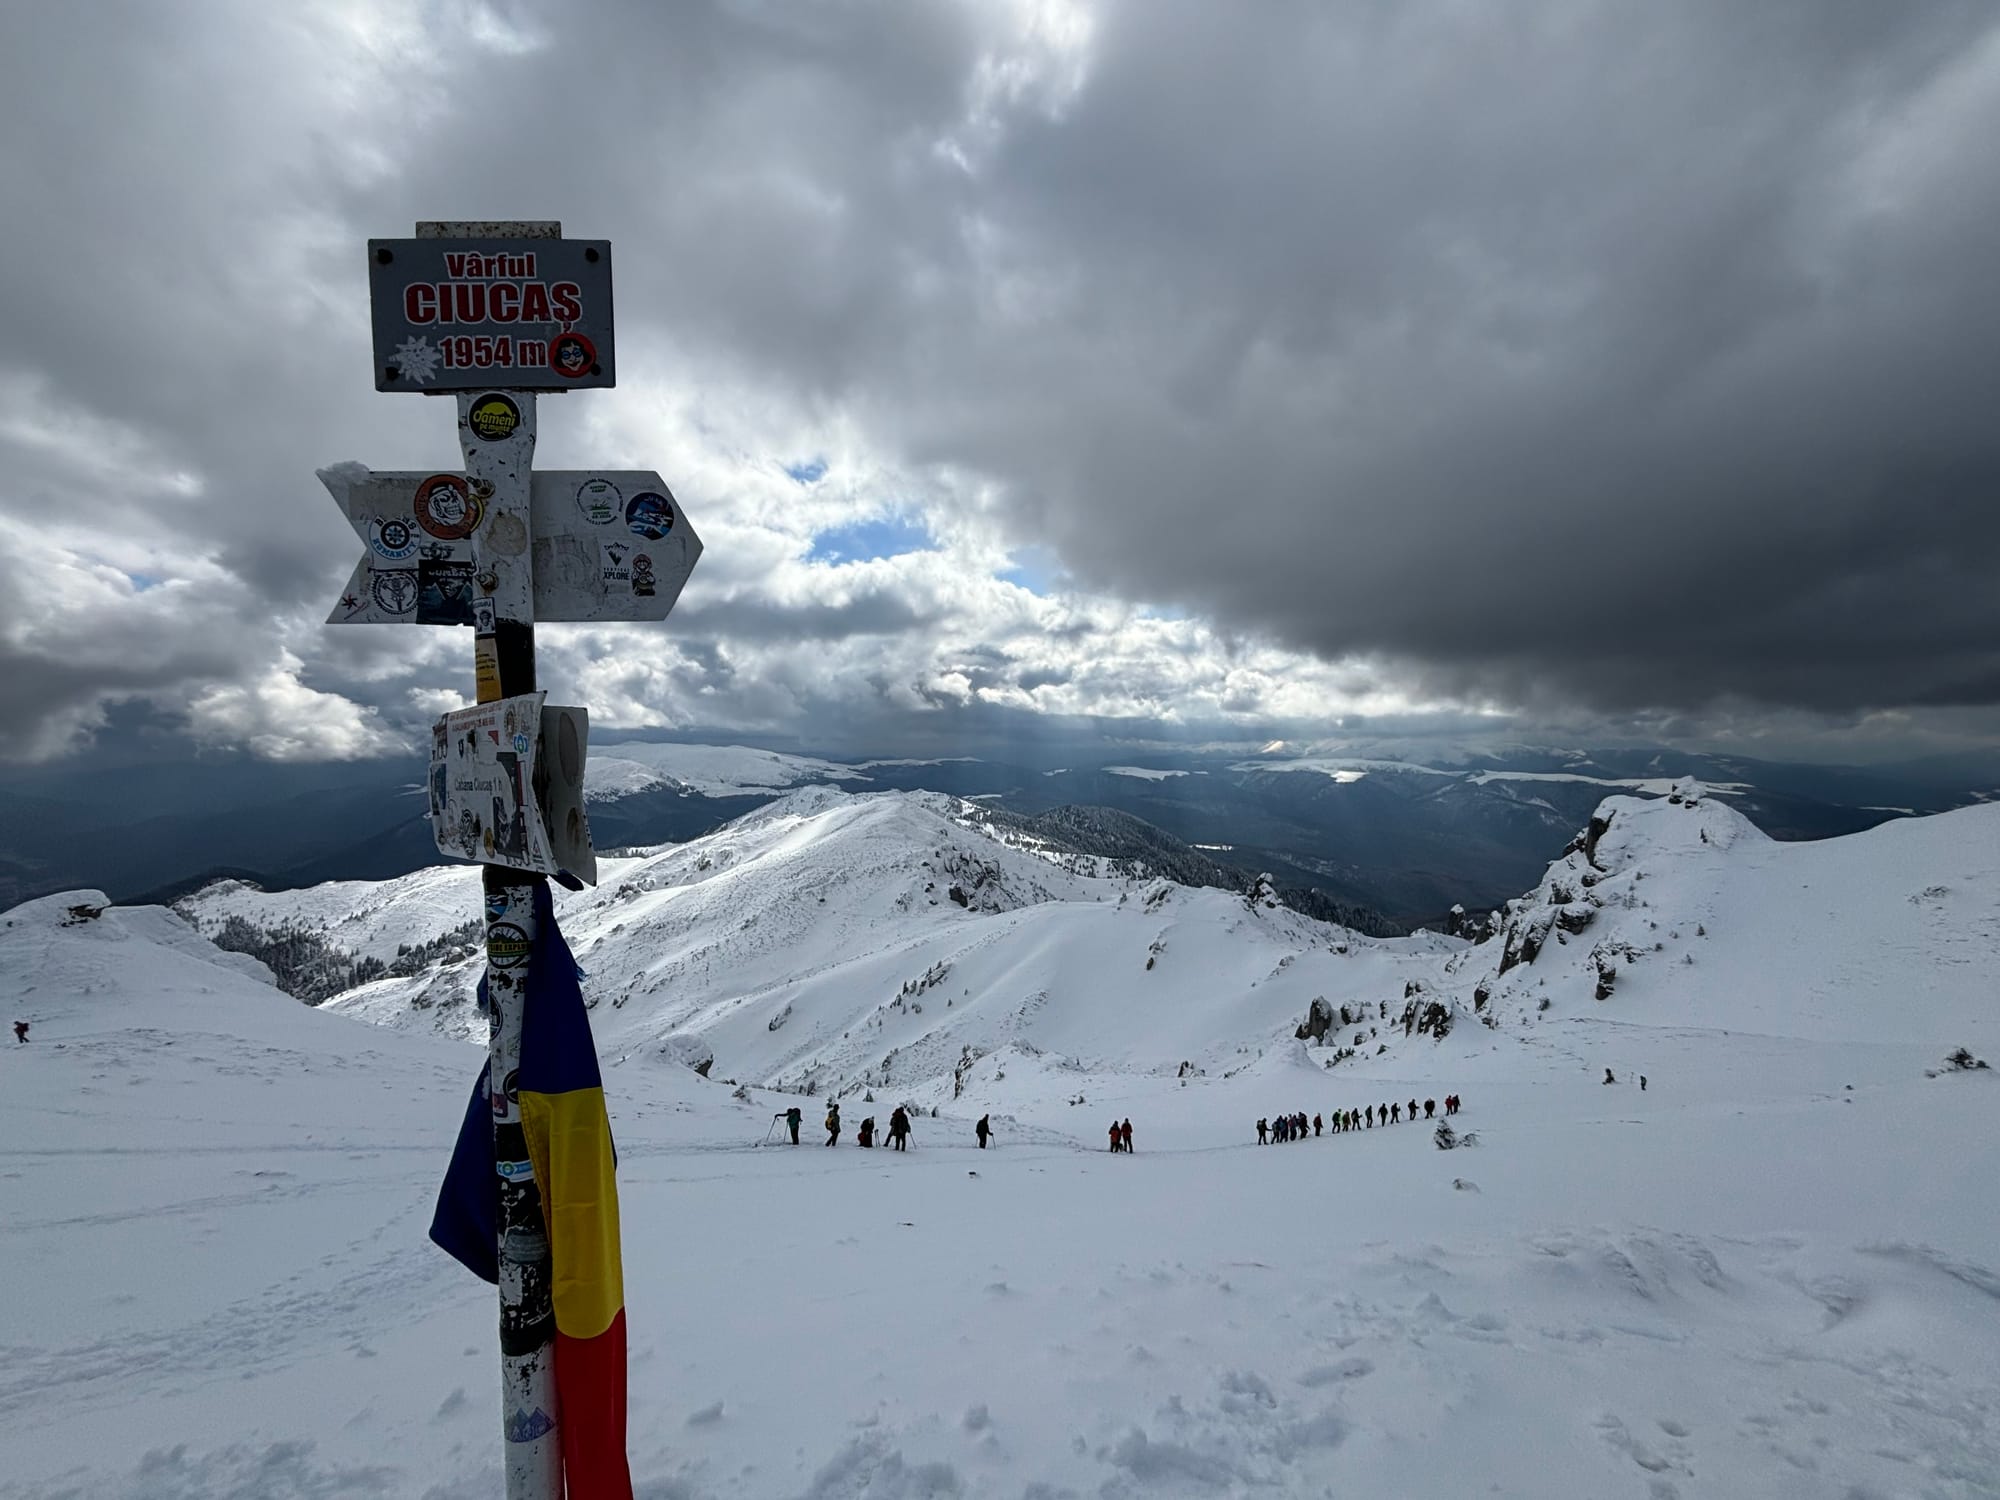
{"x":1318,"y":1022}
{"x":1459,"y":923}
{"x":1424,"y":1016}
{"x":689,"y":1050}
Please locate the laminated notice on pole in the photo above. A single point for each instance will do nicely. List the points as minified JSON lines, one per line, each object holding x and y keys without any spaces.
{"x":482,"y":785}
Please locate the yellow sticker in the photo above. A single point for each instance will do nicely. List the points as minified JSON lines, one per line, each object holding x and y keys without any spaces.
{"x":486,"y":669}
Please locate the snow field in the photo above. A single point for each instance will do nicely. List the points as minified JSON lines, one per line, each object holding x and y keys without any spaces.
{"x":1770,"y":1274}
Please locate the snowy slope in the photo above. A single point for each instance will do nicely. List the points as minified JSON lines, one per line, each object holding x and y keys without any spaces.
{"x":1770,"y":1274}
{"x":818,"y":941}
{"x":1687,"y":915}
{"x":712,"y":770}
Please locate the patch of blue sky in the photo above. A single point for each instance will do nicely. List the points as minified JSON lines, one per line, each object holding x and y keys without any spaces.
{"x":810,"y":471}
{"x":1035,"y":569}
{"x":865,"y":541}
{"x":142,"y":581}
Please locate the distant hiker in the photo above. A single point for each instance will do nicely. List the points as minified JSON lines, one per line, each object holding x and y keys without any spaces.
{"x":1370,"y":1112}
{"x":1642,"y":1083}
{"x":832,"y":1123}
{"x":794,"y":1118}
{"x":1430,"y":1108}
{"x":1115,"y":1137}
{"x":1396,"y":1114}
{"x":1125,"y":1134}
{"x":1608,"y":1078}
{"x":1316,"y":1124}
{"x":1381,"y":1114}
{"x":984,"y":1131}
{"x":865,"y":1136}
{"x":20,"y":1031}
{"x":1263,"y":1132}
{"x":1413,"y":1111}
{"x":899,"y":1129}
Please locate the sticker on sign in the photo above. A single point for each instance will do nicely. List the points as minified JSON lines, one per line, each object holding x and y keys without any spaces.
{"x":527,"y":314}
{"x":606,"y":545}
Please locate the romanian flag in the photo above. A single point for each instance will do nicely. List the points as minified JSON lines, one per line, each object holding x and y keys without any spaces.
{"x":568,"y":1136}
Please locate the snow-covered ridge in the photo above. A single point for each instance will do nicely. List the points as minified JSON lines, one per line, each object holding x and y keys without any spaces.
{"x":839,"y":940}
{"x":804,"y":943}
{"x":711,"y":770}
{"x":1679,"y":911}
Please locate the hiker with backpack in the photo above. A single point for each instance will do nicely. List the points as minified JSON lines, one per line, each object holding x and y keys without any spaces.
{"x":899,"y":1129}
{"x":833,"y":1123}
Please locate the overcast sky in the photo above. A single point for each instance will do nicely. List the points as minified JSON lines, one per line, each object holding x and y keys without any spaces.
{"x":1558,"y":368}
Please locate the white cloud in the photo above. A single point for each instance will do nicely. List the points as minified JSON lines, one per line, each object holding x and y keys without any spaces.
{"x":278,"y":717}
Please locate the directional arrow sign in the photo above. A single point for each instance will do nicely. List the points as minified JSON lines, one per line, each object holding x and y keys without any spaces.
{"x":607,"y":544}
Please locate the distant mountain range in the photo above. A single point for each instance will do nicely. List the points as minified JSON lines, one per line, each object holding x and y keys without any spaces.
{"x":1376,"y":832}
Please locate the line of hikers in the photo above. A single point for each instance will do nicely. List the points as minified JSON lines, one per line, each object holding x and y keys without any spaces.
{"x":899,"y":1127}
{"x":1300,"y":1126}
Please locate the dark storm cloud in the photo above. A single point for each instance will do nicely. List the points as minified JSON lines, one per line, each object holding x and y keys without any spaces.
{"x":1596,"y":362}
{"x":1617,"y":356}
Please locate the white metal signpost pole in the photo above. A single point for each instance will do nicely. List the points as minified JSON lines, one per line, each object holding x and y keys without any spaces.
{"x":492,"y":314}
{"x":496,"y":430}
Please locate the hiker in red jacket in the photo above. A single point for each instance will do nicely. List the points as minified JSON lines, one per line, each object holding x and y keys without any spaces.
{"x":1125,"y":1136}
{"x":1115,"y":1137}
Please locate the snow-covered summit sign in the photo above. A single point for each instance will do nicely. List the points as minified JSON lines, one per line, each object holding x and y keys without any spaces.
{"x":470,"y":314}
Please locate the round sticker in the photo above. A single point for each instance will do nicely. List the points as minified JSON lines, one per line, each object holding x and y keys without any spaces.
{"x":520,"y":744}
{"x":493,"y":418}
{"x":572,"y":355}
{"x":392,"y":538}
{"x":445,"y":508}
{"x":599,"y":501}
{"x":394,"y":590}
{"x":506,"y":945}
{"x":650,"y":514}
